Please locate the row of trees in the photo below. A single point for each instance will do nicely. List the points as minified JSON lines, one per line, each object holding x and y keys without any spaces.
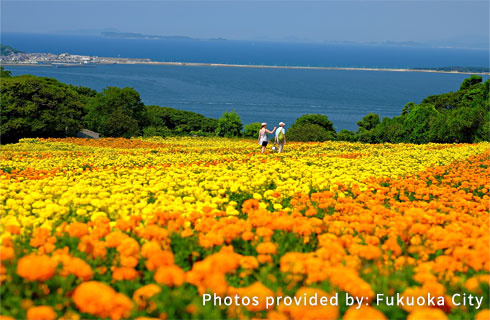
{"x":43,"y":107}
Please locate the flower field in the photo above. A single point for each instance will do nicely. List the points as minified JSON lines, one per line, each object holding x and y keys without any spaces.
{"x":135,"y":228}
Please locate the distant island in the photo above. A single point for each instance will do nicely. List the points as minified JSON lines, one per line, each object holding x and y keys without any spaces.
{"x":6,"y":50}
{"x":129,"y":35}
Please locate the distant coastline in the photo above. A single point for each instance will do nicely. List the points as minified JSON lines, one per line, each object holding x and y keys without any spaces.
{"x":129,"y":61}
{"x":12,"y":57}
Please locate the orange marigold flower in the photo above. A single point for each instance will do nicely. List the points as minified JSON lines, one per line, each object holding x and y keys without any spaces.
{"x":483,"y":315}
{"x":264,"y":258}
{"x":426,"y":313}
{"x":78,"y":267}
{"x":41,"y":313}
{"x":124,"y":273}
{"x":266,"y":248}
{"x":6,"y":253}
{"x":247,"y":235}
{"x":364,"y":312}
{"x":275,"y":315}
{"x":250,"y":205}
{"x":149,"y":248}
{"x":249,"y":262}
{"x":99,"y":299}
{"x":473,"y":284}
{"x":192,"y":309}
{"x":128,"y":261}
{"x":309,"y":311}
{"x":128,"y":247}
{"x":12,"y":229}
{"x":39,"y":237}
{"x":77,"y":229}
{"x":33,"y":267}
{"x":141,"y":295}
{"x":256,"y":289}
{"x":159,"y":259}
{"x":115,"y":238}
{"x":170,"y":276}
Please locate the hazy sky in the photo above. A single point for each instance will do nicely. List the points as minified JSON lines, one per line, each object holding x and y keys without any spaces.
{"x":420,"y":21}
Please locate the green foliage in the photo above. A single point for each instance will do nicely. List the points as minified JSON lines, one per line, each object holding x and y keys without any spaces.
{"x":156,"y":132}
{"x":346,"y":135}
{"x":38,"y":107}
{"x":370,"y":121}
{"x":5,"y":73}
{"x":115,"y":112}
{"x":468,"y":82}
{"x":461,"y":116}
{"x":251,"y":130}
{"x":229,"y":125}
{"x":312,"y":127}
{"x":179,"y":122}
{"x":317,"y":119}
{"x":309,"y":132}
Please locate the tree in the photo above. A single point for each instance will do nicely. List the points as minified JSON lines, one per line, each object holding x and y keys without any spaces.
{"x":317,"y":119}
{"x":5,"y":73}
{"x":312,"y":127}
{"x":252,"y":130}
{"x":418,"y":123}
{"x":116,"y":112}
{"x":346,"y":135}
{"x":229,"y":125}
{"x":309,"y":132}
{"x":468,"y":82}
{"x":178,"y":121}
{"x":370,"y":121}
{"x":38,"y":107}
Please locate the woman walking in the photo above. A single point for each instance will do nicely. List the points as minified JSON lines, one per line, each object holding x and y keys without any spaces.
{"x":263,"y":138}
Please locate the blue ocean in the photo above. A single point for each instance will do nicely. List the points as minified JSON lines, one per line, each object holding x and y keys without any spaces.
{"x":258,"y":95}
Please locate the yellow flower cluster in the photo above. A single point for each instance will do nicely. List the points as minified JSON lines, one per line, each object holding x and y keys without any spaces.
{"x":128,"y":228}
{"x":43,"y":181}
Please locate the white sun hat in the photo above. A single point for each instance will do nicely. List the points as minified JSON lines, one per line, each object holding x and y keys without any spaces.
{"x":282,"y":123}
{"x":264,"y":124}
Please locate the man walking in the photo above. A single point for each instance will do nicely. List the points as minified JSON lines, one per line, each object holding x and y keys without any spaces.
{"x":281,"y":136}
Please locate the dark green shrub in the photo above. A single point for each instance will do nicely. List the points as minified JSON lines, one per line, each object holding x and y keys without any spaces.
{"x":251,"y":130}
{"x":309,"y":132}
{"x":229,"y":125}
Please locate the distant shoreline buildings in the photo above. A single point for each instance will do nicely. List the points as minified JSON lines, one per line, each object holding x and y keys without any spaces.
{"x":66,"y":60}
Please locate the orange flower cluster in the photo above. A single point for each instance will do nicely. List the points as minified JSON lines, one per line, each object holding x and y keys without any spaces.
{"x":418,"y":234}
{"x":100,"y":300}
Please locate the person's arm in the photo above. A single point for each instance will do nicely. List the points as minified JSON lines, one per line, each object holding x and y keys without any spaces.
{"x":271,"y":131}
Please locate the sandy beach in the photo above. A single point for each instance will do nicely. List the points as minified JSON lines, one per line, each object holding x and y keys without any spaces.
{"x":129,"y":61}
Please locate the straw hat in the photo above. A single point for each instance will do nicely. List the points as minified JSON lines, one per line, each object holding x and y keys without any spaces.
{"x":264,"y":124}
{"x":282,"y":124}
